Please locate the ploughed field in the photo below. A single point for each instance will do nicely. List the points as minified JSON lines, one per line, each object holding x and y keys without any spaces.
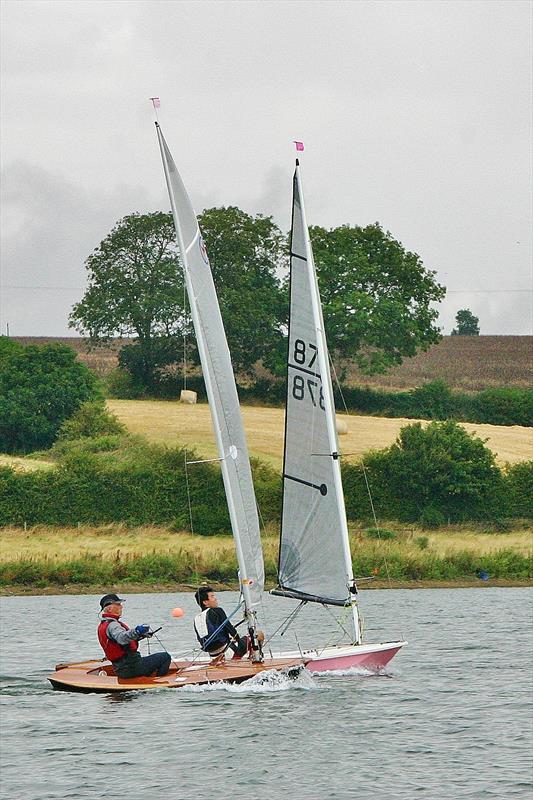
{"x":469,"y":363}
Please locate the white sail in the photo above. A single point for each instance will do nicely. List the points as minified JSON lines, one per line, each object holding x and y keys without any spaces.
{"x":315,"y":561}
{"x":220,"y":385}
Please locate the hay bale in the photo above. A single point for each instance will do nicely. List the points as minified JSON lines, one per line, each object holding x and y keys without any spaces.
{"x":342,"y":426}
{"x":186,"y":396}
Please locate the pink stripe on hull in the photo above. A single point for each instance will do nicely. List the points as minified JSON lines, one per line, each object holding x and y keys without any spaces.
{"x":367,"y":660}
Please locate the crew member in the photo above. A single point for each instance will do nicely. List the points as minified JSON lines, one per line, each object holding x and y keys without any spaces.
{"x":214,"y":630}
{"x":120,"y":643}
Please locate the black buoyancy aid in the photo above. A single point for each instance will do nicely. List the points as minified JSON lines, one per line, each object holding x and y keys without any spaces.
{"x":113,"y":650}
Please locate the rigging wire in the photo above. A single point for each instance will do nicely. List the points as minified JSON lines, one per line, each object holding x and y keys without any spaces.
{"x":289,"y":619}
{"x":264,"y":613}
{"x":185,"y":328}
{"x":367,"y":484}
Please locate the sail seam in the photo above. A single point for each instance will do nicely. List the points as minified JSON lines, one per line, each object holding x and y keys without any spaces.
{"x":193,"y":241}
{"x":307,"y":371}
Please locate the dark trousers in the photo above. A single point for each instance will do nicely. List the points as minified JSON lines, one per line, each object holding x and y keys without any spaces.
{"x":240,"y":648}
{"x":135,"y":666}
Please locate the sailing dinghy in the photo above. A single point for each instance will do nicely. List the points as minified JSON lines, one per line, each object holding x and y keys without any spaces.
{"x":98,"y":676}
{"x":94,"y":676}
{"x":315,"y":561}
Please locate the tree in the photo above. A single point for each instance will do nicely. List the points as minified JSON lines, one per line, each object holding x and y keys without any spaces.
{"x":136,"y":289}
{"x":376,"y":296}
{"x":467,"y":323}
{"x":437,"y":472}
{"x":40,"y":387}
{"x":244,"y":253}
{"x":91,"y":420}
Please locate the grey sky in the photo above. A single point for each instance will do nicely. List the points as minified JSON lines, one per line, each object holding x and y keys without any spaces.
{"x":415,"y":114}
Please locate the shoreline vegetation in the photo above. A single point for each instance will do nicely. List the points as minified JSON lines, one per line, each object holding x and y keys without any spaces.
{"x":162,"y":588}
{"x":85,"y":559}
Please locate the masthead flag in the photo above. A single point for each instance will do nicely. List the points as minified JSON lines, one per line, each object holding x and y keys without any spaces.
{"x":299,"y":145}
{"x":156,"y":102}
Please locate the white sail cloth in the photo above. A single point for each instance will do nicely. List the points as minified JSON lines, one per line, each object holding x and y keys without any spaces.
{"x":220,"y":382}
{"x":314,"y":554}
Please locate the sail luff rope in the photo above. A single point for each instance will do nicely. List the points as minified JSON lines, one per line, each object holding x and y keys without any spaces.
{"x":339,"y":621}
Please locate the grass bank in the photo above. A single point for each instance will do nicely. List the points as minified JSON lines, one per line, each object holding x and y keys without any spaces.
{"x":44,"y":559}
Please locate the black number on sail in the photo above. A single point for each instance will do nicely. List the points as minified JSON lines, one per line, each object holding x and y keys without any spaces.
{"x":300,"y":350}
{"x":298,"y":387}
{"x":298,"y":391}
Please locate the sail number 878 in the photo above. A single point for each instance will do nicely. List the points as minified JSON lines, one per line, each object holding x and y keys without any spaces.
{"x":302,"y":386}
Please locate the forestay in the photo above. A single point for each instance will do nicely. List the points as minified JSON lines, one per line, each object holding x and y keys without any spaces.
{"x":220,"y":383}
{"x":315,"y":561}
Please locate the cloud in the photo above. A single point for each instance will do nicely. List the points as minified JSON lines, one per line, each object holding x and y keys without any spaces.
{"x":50,"y":227}
{"x":414,"y":114}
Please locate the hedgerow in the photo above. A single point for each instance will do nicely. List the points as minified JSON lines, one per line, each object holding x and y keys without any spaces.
{"x":433,"y":400}
{"x":431,"y":475}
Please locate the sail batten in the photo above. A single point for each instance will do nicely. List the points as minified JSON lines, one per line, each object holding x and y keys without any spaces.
{"x":220,"y":384}
{"x":315,"y":561}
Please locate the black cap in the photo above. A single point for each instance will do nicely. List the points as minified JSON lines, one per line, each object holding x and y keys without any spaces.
{"x":108,"y":599}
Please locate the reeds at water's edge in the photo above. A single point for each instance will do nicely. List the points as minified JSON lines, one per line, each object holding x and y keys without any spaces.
{"x":112,"y":554}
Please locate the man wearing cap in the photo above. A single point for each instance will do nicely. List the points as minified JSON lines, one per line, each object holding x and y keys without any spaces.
{"x":121,"y":643}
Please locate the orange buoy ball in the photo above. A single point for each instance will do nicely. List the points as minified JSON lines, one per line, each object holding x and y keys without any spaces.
{"x":178,"y":612}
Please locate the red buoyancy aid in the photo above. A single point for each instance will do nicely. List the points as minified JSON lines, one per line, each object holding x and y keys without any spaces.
{"x":113,"y":650}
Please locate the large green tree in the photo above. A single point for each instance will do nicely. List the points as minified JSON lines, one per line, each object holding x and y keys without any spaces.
{"x":135,"y":290}
{"x":245,"y":253}
{"x":40,"y":387}
{"x":377,"y":296}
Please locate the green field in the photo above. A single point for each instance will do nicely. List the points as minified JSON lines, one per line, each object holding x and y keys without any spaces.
{"x":170,"y":422}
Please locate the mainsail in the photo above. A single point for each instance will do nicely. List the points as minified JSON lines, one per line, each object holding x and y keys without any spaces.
{"x":220,"y":384}
{"x":315,"y":561}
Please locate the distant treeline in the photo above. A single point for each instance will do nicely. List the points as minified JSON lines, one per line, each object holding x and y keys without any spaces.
{"x":430,"y":475}
{"x":433,"y":400}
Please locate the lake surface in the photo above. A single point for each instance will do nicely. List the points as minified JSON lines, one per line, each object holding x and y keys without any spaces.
{"x":450,"y":719}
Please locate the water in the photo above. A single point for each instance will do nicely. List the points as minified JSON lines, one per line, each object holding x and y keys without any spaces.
{"x":450,"y":719}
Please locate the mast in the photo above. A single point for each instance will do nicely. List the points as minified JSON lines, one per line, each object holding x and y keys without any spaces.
{"x":221,"y":392}
{"x":329,"y":404}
